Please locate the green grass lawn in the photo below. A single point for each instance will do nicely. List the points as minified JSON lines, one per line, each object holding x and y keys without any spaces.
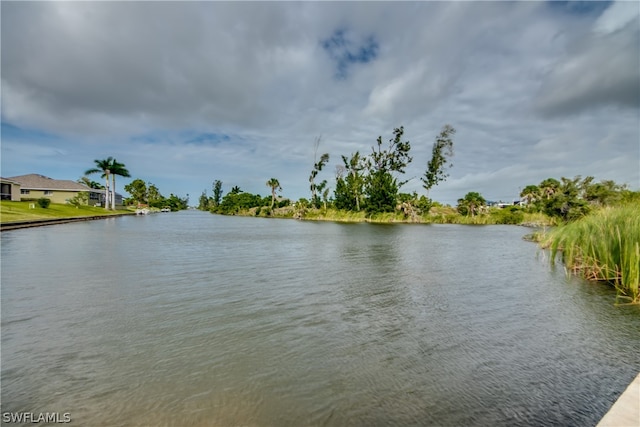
{"x":21,"y":211}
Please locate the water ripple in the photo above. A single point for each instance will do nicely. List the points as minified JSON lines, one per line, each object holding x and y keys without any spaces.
{"x":195,"y":319}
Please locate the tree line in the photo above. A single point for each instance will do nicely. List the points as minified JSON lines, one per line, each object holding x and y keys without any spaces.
{"x":363,"y":182}
{"x":141,"y":194}
{"x":571,"y":198}
{"x":564,"y":200}
{"x":372,"y":183}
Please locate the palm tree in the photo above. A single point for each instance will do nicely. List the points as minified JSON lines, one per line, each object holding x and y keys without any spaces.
{"x":354,"y":181}
{"x":275,"y":185}
{"x":530,"y":194}
{"x":117,"y":168}
{"x":549,"y":187}
{"x":104,"y":167}
{"x":90,"y":183}
{"x":471,"y":202}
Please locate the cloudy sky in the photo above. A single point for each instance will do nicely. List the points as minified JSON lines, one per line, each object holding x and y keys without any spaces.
{"x":185,"y":93}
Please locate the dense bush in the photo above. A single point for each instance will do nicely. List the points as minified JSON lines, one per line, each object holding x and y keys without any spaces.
{"x":80,"y":199}
{"x":43,"y":202}
{"x":508,"y":215}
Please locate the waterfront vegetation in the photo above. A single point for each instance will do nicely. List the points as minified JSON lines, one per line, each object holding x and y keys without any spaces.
{"x":603,"y":246}
{"x":78,"y":206}
{"x":109,"y":168}
{"x":150,"y":196}
{"x":31,"y":210}
{"x":596,"y":224}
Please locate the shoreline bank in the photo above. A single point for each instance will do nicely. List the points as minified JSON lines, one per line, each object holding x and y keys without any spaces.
{"x":16,"y":225}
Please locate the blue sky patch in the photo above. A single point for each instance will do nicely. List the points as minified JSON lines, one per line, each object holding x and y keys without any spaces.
{"x":10,"y":131}
{"x":345,"y":52}
{"x":187,"y":137}
{"x":149,"y":138}
{"x":208,"y":138}
{"x":580,"y":7}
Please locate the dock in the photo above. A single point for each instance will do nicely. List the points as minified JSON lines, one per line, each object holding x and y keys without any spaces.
{"x":626,"y":411}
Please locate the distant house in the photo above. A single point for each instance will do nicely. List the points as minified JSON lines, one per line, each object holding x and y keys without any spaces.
{"x":10,"y":190}
{"x":503,"y":205}
{"x":34,"y":186}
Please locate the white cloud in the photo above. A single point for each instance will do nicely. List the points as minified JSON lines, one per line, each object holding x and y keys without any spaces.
{"x":599,"y":69}
{"x":617,"y":16}
{"x":132,"y":79}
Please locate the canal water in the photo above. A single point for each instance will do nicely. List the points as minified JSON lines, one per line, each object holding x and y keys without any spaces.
{"x":195,"y":319}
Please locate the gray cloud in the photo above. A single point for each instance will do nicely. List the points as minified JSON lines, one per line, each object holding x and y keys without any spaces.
{"x":602,"y":69}
{"x":151,"y":82}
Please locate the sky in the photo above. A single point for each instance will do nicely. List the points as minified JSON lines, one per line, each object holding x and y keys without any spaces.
{"x":185,"y":93}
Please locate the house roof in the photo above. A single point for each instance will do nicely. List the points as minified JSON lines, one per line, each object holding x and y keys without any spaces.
{"x":6,"y":180}
{"x":40,"y":182}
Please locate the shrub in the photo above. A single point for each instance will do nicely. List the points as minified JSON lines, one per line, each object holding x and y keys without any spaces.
{"x":603,"y":246}
{"x":79,"y":199}
{"x":508,"y":215}
{"x":43,"y":202}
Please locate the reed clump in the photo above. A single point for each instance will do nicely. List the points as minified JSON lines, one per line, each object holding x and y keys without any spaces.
{"x":603,"y":246}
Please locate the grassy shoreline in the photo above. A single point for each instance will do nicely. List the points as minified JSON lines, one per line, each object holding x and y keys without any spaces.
{"x":603,"y":246}
{"x":437,"y":215}
{"x":17,"y":212}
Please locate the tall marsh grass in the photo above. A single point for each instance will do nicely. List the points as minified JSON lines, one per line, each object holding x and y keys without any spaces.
{"x":603,"y":246}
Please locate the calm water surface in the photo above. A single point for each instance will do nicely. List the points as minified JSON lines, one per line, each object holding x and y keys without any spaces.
{"x":194,"y":319}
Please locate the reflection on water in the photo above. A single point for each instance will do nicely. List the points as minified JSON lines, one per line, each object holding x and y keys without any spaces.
{"x":194,"y":319}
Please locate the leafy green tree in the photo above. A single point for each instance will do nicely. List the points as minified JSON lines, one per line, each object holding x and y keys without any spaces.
{"x":350,"y":182}
{"x":153,"y":196}
{"x":203,"y":201}
{"x":317,"y":168}
{"x":566,"y":201}
{"x":471,"y":203}
{"x":138,"y":190}
{"x":381,"y":190}
{"x":441,"y":153}
{"x":235,"y":190}
{"x":217,"y":192}
{"x":381,"y":186}
{"x":323,"y":192}
{"x":603,"y":193}
{"x":176,"y":203}
{"x":234,"y":202}
{"x":274,"y":184}
{"x":104,"y":167}
{"x":80,"y":199}
{"x":342,"y":197}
